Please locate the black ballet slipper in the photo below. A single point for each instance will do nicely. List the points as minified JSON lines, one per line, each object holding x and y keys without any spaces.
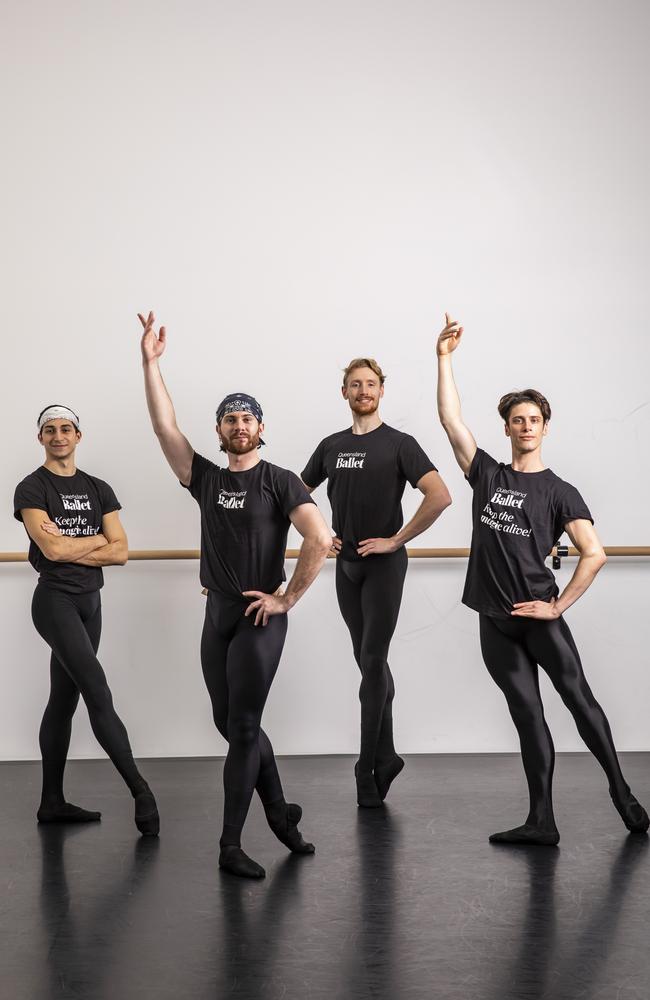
{"x":66,"y":813}
{"x":146,"y":814}
{"x":283,"y":818}
{"x":232,"y":859}
{"x":632,"y":813}
{"x":367,"y":795}
{"x":385,"y":774}
{"x":527,"y":834}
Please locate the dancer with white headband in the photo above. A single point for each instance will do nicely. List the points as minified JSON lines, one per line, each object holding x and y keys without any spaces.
{"x":74,"y":528}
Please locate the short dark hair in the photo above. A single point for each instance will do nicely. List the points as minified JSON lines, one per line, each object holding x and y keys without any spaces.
{"x":511,"y":399}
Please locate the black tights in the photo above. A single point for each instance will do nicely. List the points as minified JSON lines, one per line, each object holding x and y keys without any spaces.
{"x":239,"y":661}
{"x":369,"y":594}
{"x":71,"y":625}
{"x":512,"y":649}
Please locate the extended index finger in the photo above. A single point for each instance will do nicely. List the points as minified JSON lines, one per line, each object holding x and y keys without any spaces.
{"x":148,"y":321}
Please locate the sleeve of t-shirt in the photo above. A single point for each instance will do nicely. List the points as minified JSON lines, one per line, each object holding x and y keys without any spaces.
{"x":107,"y":498}
{"x":200,"y":467}
{"x":413,"y":460}
{"x":289,"y":491}
{"x":30,"y":493}
{"x":481,"y":463}
{"x":314,"y":472}
{"x":570,"y":507}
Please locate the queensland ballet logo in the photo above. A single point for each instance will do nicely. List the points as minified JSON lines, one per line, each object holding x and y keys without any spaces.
{"x":350,"y":459}
{"x":502,"y":520}
{"x":75,"y":501}
{"x":231,"y":501}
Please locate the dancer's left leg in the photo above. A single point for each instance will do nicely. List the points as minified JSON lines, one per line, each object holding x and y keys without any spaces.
{"x":552,"y":645}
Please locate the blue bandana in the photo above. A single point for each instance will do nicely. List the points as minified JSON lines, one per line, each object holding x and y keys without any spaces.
{"x":239,"y":402}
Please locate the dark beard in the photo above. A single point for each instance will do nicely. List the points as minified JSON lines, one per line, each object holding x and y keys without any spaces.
{"x":241,"y":447}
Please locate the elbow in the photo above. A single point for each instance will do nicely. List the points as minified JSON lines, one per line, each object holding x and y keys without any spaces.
{"x":322,"y":543}
{"x":440,"y":501}
{"x":122,"y":554}
{"x":325,"y":544}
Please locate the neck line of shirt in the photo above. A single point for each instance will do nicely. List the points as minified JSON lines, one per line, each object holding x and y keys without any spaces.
{"x":519,"y":472}
{"x":366,"y":433}
{"x":57,"y":475}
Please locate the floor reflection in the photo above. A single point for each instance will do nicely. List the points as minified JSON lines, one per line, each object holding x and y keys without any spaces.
{"x":564,"y":945}
{"x":88,"y":924}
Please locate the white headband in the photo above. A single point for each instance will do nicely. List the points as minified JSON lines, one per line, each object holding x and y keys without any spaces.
{"x":58,"y":413}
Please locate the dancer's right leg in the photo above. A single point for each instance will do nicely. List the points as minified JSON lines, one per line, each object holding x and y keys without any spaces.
{"x":514,"y":670}
{"x":71,"y":625}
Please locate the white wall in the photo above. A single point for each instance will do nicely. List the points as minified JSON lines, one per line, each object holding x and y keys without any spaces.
{"x":288,"y":185}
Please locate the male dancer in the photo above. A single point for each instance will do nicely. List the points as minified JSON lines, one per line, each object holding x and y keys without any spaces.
{"x":519,"y":513}
{"x":367,"y":467}
{"x":246,"y":511}
{"x":74,"y":528}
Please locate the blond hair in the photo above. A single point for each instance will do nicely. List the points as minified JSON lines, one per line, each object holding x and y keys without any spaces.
{"x":364,"y":363}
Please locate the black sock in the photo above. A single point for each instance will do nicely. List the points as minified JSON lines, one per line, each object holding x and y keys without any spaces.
{"x":385,"y":774}
{"x":66,"y":812}
{"x":367,"y":794}
{"x":283,"y":818}
{"x":146,"y":813}
{"x":527,"y":834}
{"x":232,"y":859}
{"x":631,"y":812}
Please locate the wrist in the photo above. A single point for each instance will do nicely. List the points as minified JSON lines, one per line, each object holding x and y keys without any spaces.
{"x":288,"y":600}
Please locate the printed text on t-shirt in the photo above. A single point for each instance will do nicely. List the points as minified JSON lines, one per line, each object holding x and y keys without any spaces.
{"x":502,"y":520}
{"x":350,"y":459}
{"x":231,"y":500}
{"x":75,"y":525}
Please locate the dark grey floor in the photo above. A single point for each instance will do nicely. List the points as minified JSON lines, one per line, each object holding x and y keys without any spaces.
{"x":405,"y":902}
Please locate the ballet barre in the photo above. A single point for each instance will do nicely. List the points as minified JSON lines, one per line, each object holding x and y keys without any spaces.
{"x":143,"y":555}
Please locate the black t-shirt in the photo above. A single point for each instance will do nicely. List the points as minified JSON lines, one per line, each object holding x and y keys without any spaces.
{"x":76,"y":504}
{"x":244,"y":524}
{"x":366,"y":475}
{"x":517,"y":519}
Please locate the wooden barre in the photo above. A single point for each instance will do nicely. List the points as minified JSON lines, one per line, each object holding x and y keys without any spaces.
{"x":142,"y":555}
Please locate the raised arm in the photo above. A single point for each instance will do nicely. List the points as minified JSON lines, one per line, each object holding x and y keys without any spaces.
{"x":55,"y":546}
{"x":176,"y":448}
{"x":592,"y":559}
{"x":460,"y":436}
{"x":313,"y":552}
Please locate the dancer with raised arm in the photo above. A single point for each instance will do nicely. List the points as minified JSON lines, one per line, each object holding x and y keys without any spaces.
{"x":74,"y":528}
{"x":519,"y":512}
{"x":246,"y":510}
{"x":367,"y":467}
